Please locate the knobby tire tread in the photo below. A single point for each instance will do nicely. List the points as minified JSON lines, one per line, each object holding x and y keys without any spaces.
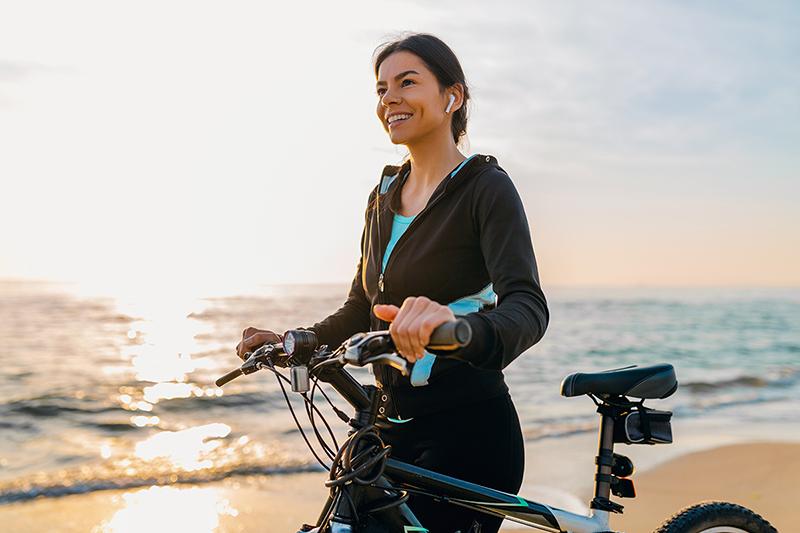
{"x":710,"y":514}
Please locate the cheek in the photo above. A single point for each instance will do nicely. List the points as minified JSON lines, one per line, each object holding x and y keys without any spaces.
{"x":379,"y":115}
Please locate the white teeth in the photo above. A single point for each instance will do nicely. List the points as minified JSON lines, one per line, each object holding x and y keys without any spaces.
{"x":397,"y":117}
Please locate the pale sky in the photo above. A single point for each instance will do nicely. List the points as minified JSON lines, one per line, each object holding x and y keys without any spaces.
{"x":221,"y":144}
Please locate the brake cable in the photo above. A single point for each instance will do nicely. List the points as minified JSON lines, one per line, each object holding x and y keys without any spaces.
{"x":347,"y":466}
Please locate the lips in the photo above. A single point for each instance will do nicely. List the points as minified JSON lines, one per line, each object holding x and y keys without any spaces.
{"x":398,"y":118}
{"x":398,"y":122}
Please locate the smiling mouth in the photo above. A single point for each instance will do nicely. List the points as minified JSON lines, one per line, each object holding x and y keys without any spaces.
{"x":396,"y":121}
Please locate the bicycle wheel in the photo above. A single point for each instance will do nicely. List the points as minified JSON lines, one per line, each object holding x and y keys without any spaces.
{"x":716,"y":517}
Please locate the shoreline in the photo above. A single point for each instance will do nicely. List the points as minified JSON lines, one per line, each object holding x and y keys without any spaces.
{"x":558,"y":473}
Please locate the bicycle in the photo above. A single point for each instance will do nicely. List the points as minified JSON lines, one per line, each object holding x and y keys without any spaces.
{"x":369,"y":489}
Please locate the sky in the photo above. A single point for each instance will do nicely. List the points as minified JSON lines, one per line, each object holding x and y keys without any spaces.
{"x":225,"y":144}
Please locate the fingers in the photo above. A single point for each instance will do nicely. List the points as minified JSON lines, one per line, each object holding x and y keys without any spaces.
{"x":385,"y":312}
{"x":414,"y":323}
{"x":433,"y":316}
{"x":252,"y":338}
{"x":247,"y":332}
{"x":257,"y":339}
{"x":400,"y":329}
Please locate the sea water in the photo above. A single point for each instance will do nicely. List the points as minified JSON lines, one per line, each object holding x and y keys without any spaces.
{"x":117,"y":391}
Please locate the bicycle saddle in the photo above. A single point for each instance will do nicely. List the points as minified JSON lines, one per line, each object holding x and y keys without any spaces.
{"x":655,"y":381}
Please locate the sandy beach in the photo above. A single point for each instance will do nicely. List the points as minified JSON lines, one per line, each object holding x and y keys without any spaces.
{"x":761,"y":476}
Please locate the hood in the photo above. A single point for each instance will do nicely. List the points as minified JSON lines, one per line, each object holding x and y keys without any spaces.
{"x":475,"y":165}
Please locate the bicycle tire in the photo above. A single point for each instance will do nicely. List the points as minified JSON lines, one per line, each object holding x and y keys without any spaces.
{"x":716,"y":517}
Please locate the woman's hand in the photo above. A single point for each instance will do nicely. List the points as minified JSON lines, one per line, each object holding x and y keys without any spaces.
{"x":412,"y":323}
{"x":252,"y":338}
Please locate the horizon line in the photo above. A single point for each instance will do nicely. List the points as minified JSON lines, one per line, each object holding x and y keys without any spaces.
{"x":545,"y":286}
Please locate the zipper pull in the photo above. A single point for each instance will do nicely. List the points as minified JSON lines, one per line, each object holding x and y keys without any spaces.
{"x":380,"y":282}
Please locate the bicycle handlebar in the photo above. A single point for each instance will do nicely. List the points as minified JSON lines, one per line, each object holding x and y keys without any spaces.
{"x":359,"y":350}
{"x":230,"y":376}
{"x":451,"y":335}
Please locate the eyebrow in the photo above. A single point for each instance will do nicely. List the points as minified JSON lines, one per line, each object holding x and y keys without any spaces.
{"x":398,"y":76}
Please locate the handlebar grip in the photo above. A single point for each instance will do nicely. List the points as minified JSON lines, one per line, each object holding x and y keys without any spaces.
{"x":230,"y":376}
{"x":451,"y":335}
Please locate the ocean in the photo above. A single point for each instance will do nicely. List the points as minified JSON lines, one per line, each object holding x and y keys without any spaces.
{"x":101,"y":391}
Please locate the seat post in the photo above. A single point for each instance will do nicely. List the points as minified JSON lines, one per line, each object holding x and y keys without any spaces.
{"x":605,"y":457}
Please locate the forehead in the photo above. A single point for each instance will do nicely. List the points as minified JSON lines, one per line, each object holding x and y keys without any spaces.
{"x":398,"y":62}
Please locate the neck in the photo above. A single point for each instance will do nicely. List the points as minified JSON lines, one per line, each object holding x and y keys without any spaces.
{"x":431,"y":158}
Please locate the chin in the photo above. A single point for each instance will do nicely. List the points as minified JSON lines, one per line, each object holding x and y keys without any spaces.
{"x":401,"y":138}
{"x":398,"y":139}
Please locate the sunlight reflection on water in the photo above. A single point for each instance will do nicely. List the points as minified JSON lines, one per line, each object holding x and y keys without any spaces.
{"x":163,"y":338}
{"x":170,"y":509}
{"x":185,"y":448}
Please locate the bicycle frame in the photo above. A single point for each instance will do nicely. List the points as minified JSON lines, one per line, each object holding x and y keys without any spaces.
{"x":398,"y":475}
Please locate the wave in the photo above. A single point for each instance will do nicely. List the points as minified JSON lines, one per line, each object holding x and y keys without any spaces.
{"x":129,"y":474}
{"x":258,"y":399}
{"x":198,"y":454}
{"x":554,"y":431}
{"x":24,"y":426}
{"x":24,"y":491}
{"x":53,"y":406}
{"x":785,"y":377}
{"x":703,"y":407}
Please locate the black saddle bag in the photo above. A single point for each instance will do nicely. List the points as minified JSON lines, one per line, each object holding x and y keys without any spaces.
{"x":643,"y":426}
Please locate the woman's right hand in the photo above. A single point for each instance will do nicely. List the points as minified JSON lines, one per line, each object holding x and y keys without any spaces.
{"x":252,"y":338}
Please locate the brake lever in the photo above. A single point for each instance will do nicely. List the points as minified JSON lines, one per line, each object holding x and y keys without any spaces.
{"x":255,"y":361}
{"x":393,"y":360}
{"x":378,"y":343}
{"x":371,"y":342}
{"x":261,"y":357}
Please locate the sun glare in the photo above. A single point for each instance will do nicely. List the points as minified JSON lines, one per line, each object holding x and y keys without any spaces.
{"x":186,"y":449}
{"x":170,"y":509}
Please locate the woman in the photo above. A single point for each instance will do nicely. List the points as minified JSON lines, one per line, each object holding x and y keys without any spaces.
{"x":444,"y":234}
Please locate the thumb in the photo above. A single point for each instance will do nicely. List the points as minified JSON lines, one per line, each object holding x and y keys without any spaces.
{"x":385,"y":312}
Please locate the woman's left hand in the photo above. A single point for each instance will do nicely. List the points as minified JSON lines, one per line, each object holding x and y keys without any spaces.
{"x":412,"y":323}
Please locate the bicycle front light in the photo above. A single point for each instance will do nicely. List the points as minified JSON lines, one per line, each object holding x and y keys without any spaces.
{"x":299,"y":344}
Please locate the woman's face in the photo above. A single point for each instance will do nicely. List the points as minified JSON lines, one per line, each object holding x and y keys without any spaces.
{"x":410,"y":103}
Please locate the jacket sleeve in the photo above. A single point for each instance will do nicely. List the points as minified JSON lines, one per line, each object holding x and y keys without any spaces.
{"x":354,"y":314}
{"x":520,"y":317}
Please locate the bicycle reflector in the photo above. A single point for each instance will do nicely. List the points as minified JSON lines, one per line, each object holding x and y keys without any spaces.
{"x":299,"y":344}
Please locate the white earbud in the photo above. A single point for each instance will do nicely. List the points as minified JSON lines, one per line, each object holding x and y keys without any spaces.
{"x":452,"y":99}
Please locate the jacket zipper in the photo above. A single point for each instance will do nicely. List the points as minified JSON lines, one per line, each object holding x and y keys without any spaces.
{"x":403,"y":237}
{"x":381,"y":276}
{"x":381,"y":282}
{"x":425,"y":209}
{"x":380,"y":372}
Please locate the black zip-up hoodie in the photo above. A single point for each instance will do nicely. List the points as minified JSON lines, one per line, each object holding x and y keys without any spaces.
{"x":472,"y":234}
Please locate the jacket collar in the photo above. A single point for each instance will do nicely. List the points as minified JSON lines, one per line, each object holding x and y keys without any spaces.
{"x":394,"y":174}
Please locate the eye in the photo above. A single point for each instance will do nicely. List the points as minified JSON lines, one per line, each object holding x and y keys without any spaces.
{"x":380,"y":91}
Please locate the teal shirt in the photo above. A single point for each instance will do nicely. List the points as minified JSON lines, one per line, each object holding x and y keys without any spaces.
{"x":399,"y":226}
{"x":400,"y":223}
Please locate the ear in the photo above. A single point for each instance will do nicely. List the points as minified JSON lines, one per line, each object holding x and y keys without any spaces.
{"x":456,"y":90}
{"x":451,"y":99}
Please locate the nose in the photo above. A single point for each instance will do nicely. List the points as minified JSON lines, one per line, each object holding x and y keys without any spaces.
{"x":389,"y":98}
